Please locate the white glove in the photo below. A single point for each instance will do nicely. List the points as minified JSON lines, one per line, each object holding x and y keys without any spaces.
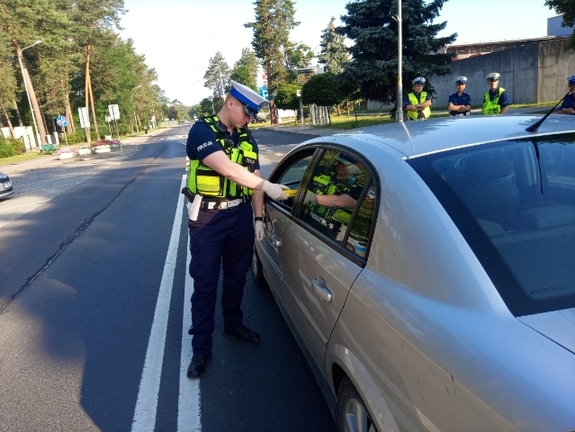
{"x":259,"y":230}
{"x":310,"y":197}
{"x":274,"y":190}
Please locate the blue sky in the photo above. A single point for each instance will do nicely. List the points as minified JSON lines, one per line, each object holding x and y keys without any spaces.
{"x":178,"y":37}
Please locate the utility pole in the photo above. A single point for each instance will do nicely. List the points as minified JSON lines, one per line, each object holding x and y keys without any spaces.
{"x":399,"y":110}
{"x":32,"y":101}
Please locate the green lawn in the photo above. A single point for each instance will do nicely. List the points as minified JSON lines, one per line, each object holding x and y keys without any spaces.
{"x":22,"y":157}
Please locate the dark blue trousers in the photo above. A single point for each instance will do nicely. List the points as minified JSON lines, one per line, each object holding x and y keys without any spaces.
{"x":219,"y":239}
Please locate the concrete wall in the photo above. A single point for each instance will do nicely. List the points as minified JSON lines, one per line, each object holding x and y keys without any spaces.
{"x":556,"y":63}
{"x":532,"y":73}
{"x":518,"y":68}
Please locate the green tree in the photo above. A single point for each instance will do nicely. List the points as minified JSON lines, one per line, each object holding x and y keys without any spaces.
{"x":567,"y":9}
{"x":333,"y":53}
{"x":286,"y":97}
{"x":245,"y":69}
{"x":326,"y":89}
{"x":373,"y":66}
{"x":273,"y":21}
{"x":217,"y":76}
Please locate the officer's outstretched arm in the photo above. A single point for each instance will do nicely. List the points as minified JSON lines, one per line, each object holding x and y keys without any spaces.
{"x":219,"y":162}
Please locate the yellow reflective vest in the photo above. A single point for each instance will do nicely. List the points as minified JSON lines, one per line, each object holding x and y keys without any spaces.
{"x":492,"y":106}
{"x":414,"y":101}
{"x":207,"y":182}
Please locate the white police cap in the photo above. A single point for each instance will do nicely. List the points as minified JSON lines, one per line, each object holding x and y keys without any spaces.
{"x":251,"y":101}
{"x":571,"y":79}
{"x":461,"y":80}
{"x":494,"y":76}
{"x":418,"y":80}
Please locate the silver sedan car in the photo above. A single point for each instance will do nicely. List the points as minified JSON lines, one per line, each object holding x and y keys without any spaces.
{"x":427,"y":270}
{"x":6,"y":188}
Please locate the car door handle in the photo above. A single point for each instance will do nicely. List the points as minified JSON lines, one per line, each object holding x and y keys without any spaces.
{"x":321,"y":290}
{"x":276,"y":241}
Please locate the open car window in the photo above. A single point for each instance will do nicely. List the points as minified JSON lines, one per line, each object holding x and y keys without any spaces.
{"x":339,"y":201}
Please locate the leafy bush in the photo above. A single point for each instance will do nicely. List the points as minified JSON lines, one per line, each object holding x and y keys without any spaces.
{"x":6,"y":149}
{"x":18,"y":145}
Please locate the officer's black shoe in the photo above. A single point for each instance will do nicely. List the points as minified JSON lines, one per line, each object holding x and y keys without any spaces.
{"x":198,"y":365}
{"x":242,"y":334}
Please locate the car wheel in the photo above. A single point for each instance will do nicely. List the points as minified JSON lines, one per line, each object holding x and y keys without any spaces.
{"x":257,"y":270}
{"x":351,"y":415}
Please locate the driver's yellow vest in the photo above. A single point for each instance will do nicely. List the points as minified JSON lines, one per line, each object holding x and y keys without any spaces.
{"x":207,"y":182}
{"x":324,"y":184}
{"x":414,"y":101}
{"x":492,"y":106}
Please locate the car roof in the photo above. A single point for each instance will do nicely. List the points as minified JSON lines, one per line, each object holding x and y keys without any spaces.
{"x":417,"y":138}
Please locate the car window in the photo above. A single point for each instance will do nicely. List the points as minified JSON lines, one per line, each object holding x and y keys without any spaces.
{"x":339,"y":201}
{"x":514,"y":202}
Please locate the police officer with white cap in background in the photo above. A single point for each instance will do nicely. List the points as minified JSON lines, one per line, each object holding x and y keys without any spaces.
{"x":417,"y":103}
{"x":568,"y":104}
{"x":459,"y":103}
{"x":226,"y":193}
{"x":495,"y":100}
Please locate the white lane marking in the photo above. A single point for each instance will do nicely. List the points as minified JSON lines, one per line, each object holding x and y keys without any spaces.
{"x":147,"y":402}
{"x":189,"y":409}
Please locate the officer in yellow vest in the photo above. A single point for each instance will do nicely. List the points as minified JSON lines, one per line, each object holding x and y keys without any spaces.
{"x":226,"y":193}
{"x":495,"y":100}
{"x":417,"y":104}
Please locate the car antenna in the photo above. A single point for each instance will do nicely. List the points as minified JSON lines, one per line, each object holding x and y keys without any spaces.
{"x":408,"y":135}
{"x":534,"y":127}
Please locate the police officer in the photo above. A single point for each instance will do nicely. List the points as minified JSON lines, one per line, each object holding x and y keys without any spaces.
{"x":495,"y":100}
{"x":225,"y":185}
{"x":417,"y":103}
{"x":459,"y":103}
{"x":333,"y":195}
{"x":568,"y":104}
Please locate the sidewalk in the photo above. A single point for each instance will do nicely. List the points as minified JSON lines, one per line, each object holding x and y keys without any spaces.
{"x":130,"y":146}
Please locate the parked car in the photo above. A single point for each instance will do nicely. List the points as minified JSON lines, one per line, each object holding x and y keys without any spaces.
{"x":6,"y":187}
{"x":444,"y":298}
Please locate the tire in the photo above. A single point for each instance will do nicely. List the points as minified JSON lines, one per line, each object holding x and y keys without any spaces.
{"x":351,"y":415}
{"x":258,"y":271}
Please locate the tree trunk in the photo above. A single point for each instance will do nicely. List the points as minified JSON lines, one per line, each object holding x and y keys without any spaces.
{"x":7,"y":117}
{"x":18,"y":116}
{"x":94,"y":119}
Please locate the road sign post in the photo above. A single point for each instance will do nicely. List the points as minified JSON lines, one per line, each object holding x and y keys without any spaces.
{"x":62,"y":121}
{"x":114,"y":110}
{"x":85,"y":123}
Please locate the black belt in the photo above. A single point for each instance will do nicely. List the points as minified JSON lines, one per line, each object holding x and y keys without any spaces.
{"x":222,"y":204}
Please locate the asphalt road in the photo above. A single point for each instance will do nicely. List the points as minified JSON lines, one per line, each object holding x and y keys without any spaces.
{"x":94,"y":307}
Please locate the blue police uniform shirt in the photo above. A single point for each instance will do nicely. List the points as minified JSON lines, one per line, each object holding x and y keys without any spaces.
{"x":455,"y":99}
{"x":418,"y":96}
{"x":568,"y":102}
{"x":503,"y":99}
{"x":202,"y":142}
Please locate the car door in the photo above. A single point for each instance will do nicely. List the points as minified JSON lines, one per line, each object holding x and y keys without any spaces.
{"x":278,"y":214}
{"x":322,"y":253}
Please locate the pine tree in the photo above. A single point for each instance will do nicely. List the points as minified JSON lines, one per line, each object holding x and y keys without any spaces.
{"x":273,"y":21}
{"x":333,"y":53}
{"x":371,"y":24}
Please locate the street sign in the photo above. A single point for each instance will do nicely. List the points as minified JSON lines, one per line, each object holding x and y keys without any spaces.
{"x":84,"y":118}
{"x":114,"y":111}
{"x":108,"y":119}
{"x":304,"y":74}
{"x":62,"y":121}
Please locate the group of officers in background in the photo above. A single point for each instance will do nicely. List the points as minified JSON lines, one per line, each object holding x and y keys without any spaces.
{"x":417,"y":104}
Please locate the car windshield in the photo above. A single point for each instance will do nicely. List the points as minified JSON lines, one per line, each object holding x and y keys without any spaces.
{"x":514,"y":202}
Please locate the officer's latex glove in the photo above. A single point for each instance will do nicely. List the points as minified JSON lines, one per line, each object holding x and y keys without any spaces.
{"x":259,"y":230}
{"x":274,"y":190}
{"x":310,"y":197}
